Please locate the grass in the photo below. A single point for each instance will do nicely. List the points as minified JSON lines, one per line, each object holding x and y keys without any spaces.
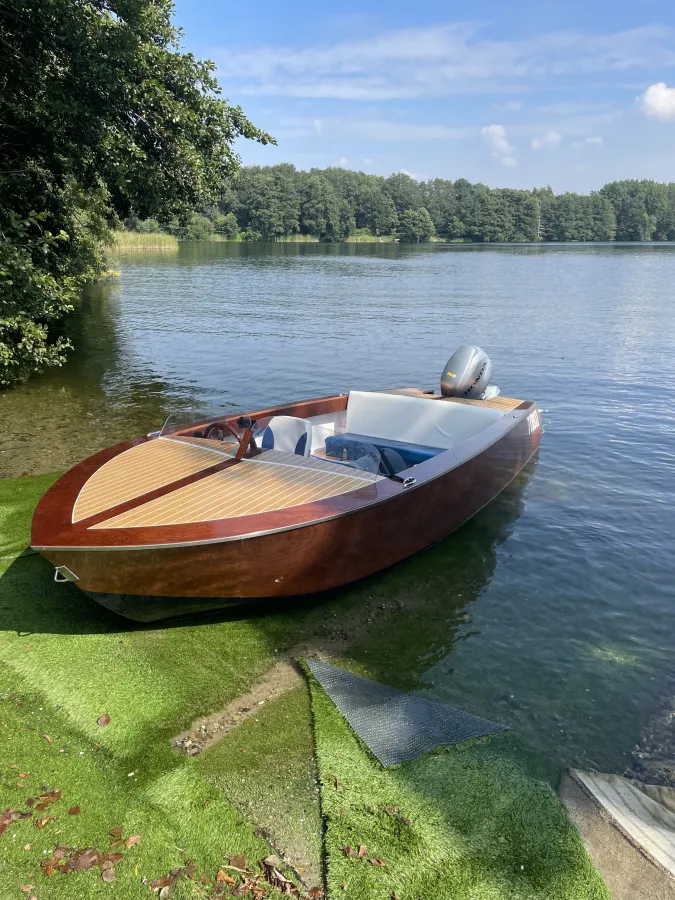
{"x":133,"y":240}
{"x":64,"y":662}
{"x":465,"y":822}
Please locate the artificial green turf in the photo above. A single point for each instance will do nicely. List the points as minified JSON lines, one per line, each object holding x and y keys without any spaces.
{"x":463,"y":823}
{"x":169,"y":805}
{"x":17,"y":496}
{"x":267,"y":768}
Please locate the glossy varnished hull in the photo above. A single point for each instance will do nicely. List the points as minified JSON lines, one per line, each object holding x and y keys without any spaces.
{"x":348,"y":538}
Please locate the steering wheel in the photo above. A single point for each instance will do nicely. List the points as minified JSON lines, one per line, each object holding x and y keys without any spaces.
{"x":211,"y":432}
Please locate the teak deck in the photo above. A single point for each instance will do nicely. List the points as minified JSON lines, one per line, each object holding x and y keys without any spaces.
{"x":267,"y":482}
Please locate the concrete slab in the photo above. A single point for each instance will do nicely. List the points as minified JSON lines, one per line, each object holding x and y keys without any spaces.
{"x":630,"y":836}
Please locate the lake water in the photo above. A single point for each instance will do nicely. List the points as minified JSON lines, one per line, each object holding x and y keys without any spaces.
{"x":558,"y":597}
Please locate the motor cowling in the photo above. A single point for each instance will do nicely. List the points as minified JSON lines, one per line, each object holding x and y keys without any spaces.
{"x":467,"y":375}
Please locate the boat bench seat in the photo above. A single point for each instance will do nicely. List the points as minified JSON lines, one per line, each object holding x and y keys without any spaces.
{"x":350,"y":446}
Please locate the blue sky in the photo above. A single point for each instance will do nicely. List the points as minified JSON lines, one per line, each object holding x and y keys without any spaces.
{"x":511,"y":94}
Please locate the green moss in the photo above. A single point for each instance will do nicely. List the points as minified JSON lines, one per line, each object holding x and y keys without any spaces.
{"x":480,"y":826}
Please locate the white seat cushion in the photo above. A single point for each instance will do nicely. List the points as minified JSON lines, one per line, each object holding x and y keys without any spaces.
{"x":416,"y":420}
{"x":288,"y":434}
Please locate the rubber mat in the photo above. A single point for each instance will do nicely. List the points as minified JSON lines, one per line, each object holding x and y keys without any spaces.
{"x":396,"y":726}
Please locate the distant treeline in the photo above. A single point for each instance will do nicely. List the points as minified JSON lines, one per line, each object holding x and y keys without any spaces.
{"x":278,"y":202}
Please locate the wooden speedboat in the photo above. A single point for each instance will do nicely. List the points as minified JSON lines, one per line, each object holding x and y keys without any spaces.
{"x":283,"y":501}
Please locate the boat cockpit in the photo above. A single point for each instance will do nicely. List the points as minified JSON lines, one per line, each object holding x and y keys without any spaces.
{"x":379,"y":432}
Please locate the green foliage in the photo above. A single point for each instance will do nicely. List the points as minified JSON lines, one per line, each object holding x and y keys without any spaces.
{"x":276,"y":202}
{"x":100,"y":116}
{"x":30,"y":298}
{"x":148,"y":226}
{"x":229,"y":227}
{"x":416,"y":226}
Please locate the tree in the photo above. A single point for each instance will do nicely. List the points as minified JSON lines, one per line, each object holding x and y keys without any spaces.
{"x":416,"y":226}
{"x":323,"y":213}
{"x":100,"y":116}
{"x":229,"y":227}
{"x":404,"y":191}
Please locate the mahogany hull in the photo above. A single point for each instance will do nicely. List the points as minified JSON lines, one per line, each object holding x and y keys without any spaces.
{"x":354,"y":539}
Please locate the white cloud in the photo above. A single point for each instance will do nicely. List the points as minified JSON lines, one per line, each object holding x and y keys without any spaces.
{"x":513,"y":105}
{"x":368,"y":129}
{"x":438,"y":60}
{"x":594,"y":141}
{"x":549,"y":139}
{"x":658,"y":101}
{"x":342,"y":162}
{"x":498,"y":142}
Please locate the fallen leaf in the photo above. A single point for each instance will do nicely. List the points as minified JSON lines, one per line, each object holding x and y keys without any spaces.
{"x":103,"y":720}
{"x":23,"y":774}
{"x":74,"y":811}
{"x":342,"y":810}
{"x":117,"y":832}
{"x":394,"y":896}
{"x":344,"y":885}
{"x":315,"y":893}
{"x":61,"y":851}
{"x":108,"y":875}
{"x":113,"y":857}
{"x":118,"y":843}
{"x":47,"y":738}
{"x":131,"y":841}
{"x":349,"y":851}
{"x":30,"y":801}
{"x":377,"y":862}
{"x":42,"y":822}
{"x":21,"y":784}
{"x":238,"y":861}
{"x":362,"y":851}
{"x":26,"y":888}
{"x":27,"y":846}
{"x":223,"y":876}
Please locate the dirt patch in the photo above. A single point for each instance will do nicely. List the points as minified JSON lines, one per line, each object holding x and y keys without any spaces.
{"x":283,"y":676}
{"x":204,"y":732}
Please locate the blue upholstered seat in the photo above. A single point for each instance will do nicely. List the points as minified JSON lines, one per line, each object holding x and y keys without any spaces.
{"x":350,"y":446}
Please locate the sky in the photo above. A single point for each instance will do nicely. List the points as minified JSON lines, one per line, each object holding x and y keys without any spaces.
{"x":515,"y":94}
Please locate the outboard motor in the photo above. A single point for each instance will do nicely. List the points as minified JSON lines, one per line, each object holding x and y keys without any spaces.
{"x":467,"y":375}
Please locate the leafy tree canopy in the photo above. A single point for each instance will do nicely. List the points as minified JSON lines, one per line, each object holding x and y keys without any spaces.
{"x":101,"y":115}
